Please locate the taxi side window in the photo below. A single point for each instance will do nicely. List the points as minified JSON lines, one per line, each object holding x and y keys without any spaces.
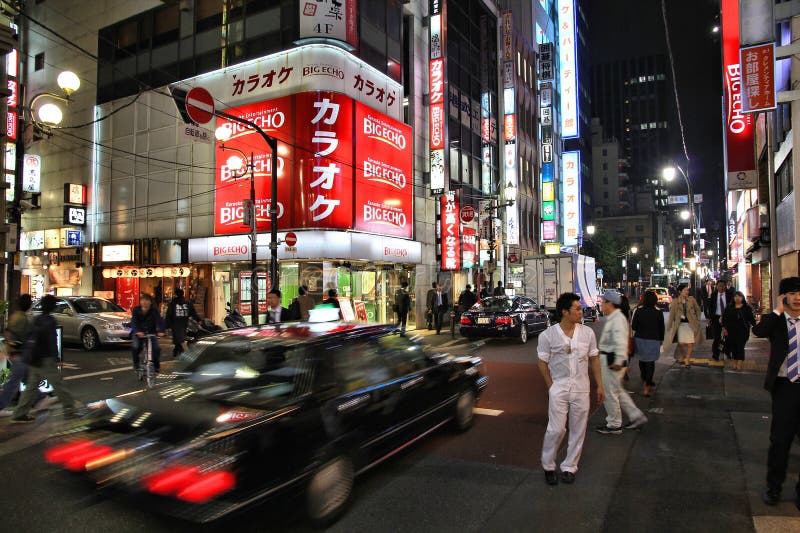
{"x":402,"y":355}
{"x":61,"y":307}
{"x":359,"y":365}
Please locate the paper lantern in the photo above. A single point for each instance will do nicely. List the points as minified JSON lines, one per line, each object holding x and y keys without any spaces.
{"x":158,"y":272}
{"x":106,"y":273}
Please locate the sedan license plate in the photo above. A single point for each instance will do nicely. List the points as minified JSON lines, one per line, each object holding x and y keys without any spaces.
{"x":483,"y":320}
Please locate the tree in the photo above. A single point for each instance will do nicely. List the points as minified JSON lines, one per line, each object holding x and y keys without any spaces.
{"x":606,"y":249}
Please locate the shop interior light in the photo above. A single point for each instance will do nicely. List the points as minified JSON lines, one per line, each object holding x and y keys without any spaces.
{"x":69,"y":82}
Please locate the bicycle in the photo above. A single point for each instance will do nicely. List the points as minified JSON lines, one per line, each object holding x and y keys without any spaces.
{"x":149,"y":372}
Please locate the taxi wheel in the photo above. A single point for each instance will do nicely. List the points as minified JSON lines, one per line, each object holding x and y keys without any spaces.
{"x":330,"y":490}
{"x":90,"y":339}
{"x":465,"y":406}
{"x":523,"y":333}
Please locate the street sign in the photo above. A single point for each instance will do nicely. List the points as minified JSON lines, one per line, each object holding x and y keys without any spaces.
{"x":513,"y":258}
{"x":200,"y":105}
{"x":290,"y":239}
{"x":467,"y":214}
{"x":684,"y":199}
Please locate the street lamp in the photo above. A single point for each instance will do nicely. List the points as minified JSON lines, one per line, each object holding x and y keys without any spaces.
{"x":669,"y":174}
{"x":50,"y":114}
{"x":240,"y":163}
{"x":590,"y":229}
{"x":625,"y":263}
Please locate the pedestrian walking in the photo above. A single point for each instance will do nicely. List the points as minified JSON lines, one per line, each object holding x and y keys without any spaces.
{"x":179,"y":311}
{"x":613,"y":347}
{"x":485,"y":292}
{"x":402,"y":304}
{"x":648,"y":328}
{"x":782,"y":328}
{"x":276,"y":313}
{"x":737,"y":320}
{"x":306,"y":302}
{"x":146,"y":320}
{"x":430,"y":304}
{"x":566,"y":352}
{"x":683,"y":325}
{"x":719,"y":301}
{"x":440,"y":306}
{"x":41,"y":354}
{"x":17,"y":332}
{"x":466,"y":299}
{"x":499,"y":290}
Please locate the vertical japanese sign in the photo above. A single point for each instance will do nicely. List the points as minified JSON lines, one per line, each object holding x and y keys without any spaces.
{"x":32,"y":173}
{"x":450,"y":230}
{"x":329,"y":19}
{"x":437,"y":71}
{"x":571,"y":172}
{"x":548,"y":206}
{"x":470,"y":248}
{"x":510,"y":128}
{"x":740,"y":158}
{"x":546,"y":61}
{"x":568,"y":65}
{"x":324,"y":159}
{"x":758,"y":67}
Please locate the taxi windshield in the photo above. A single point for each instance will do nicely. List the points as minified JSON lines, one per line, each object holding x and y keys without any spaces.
{"x":493,"y":304}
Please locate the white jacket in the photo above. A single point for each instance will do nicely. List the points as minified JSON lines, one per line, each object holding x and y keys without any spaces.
{"x":614,"y":338}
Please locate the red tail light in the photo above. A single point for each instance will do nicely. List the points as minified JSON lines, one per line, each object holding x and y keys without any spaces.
{"x":208,"y":486}
{"x":188,"y":484}
{"x":78,"y":461}
{"x":504,"y":320}
{"x":466,"y":321}
{"x":59,"y":454}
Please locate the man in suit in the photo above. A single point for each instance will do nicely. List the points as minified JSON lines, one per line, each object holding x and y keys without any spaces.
{"x":721,"y":298}
{"x":499,"y":290}
{"x":430,"y":305}
{"x":440,"y":306}
{"x":402,"y":304}
{"x":782,"y":328}
{"x":704,"y":296}
{"x":276,"y":313}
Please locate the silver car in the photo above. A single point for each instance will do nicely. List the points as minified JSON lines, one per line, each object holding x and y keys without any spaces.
{"x":89,"y":320}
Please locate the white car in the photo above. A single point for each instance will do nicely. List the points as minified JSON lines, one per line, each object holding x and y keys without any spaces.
{"x":90,"y":321}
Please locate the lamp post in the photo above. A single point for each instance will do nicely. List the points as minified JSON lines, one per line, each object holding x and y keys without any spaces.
{"x":223,"y":133}
{"x":510,"y":194}
{"x":625,"y":262}
{"x":669,"y":174}
{"x":49,"y":116}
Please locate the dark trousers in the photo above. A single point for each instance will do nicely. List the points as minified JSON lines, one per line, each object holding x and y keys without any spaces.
{"x":785,"y":427}
{"x":438,"y":316}
{"x":402,"y":318}
{"x":647,"y":369}
{"x":48,"y":370}
{"x":178,"y":336}
{"x":715,"y":347}
{"x":138,"y":346}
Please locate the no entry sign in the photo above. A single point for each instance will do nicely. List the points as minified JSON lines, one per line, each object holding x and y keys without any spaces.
{"x":199,"y":105}
{"x":290,"y":239}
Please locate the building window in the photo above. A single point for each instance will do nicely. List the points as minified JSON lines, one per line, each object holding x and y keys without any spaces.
{"x":605,"y":166}
{"x":783,"y":178}
{"x":605,"y":180}
{"x":38,"y":61}
{"x":605,"y":151}
{"x":605,"y":195}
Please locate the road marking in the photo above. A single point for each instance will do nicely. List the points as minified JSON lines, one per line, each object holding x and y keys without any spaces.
{"x":70,"y":366}
{"x":656,"y":410}
{"x":487,"y":412}
{"x":99,"y":373}
{"x":117,"y":361}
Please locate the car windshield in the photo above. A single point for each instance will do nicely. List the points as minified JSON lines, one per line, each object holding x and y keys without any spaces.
{"x":661,"y":292}
{"x":268,"y":369}
{"x":96,"y":305}
{"x":493,"y":304}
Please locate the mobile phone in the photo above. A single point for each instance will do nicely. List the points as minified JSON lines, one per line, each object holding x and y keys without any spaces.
{"x":786,"y":301}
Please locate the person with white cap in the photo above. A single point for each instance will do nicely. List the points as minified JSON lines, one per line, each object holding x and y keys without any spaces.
{"x":613,"y":347}
{"x":566,"y":350}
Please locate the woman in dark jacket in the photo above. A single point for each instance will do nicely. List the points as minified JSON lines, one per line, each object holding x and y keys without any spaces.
{"x":737,"y":319}
{"x":648,"y":327}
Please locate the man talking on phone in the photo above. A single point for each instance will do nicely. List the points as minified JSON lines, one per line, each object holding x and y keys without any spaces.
{"x":782,"y":328}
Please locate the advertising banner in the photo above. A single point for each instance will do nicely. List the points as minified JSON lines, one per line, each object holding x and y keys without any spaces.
{"x":450,"y":231}
{"x":571,"y":173}
{"x":568,"y":68}
{"x":127,"y":293}
{"x":758,"y":66}
{"x":384,"y":174}
{"x":329,"y":19}
{"x":739,"y":127}
{"x":437,"y":74}
{"x":32,"y":173}
{"x":245,"y":304}
{"x":470,"y":247}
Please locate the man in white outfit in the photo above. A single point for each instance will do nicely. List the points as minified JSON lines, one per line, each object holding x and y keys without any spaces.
{"x":565,"y":352}
{"x":614,"y":358}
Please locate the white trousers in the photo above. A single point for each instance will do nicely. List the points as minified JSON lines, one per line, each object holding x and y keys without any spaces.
{"x":618,"y":401}
{"x":564,"y":404}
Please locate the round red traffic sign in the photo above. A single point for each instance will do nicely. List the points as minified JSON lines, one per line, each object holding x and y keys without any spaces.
{"x":290,"y":239}
{"x":513,"y":258}
{"x":199,"y":105}
{"x":467,"y":213}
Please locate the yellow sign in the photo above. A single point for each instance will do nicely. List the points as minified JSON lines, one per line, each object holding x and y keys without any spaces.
{"x":548,"y":191}
{"x":552,"y":248}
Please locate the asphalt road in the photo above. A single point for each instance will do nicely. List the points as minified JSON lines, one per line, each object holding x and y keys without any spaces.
{"x":448,"y":482}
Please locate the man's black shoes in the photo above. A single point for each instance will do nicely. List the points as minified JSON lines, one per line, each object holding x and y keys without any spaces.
{"x":568,"y":478}
{"x":771,"y":497}
{"x":551,"y":477}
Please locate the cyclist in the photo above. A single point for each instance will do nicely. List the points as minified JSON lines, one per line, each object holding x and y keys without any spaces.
{"x":146,"y":320}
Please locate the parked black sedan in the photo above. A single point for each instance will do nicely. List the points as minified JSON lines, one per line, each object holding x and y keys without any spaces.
{"x":258,"y":411}
{"x":503,"y":316}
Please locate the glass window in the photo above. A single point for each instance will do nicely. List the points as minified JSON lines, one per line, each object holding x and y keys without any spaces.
{"x":500,"y":303}
{"x":96,"y":305}
{"x":402,"y":355}
{"x":358,"y":365}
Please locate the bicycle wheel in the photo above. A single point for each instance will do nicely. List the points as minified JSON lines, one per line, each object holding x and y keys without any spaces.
{"x":150,"y":374}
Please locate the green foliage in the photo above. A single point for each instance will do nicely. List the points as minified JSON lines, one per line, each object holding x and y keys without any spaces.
{"x":606,"y":249}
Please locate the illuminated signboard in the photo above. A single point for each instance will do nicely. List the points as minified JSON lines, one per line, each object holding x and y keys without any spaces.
{"x":31,"y":240}
{"x":450,"y":231}
{"x":115,"y":253}
{"x":739,"y":127}
{"x":758,"y":65}
{"x":32,"y":173}
{"x":11,"y":125}
{"x":548,"y":191}
{"x":74,"y":215}
{"x":549,"y":230}
{"x":571,"y":174}
{"x":437,"y":70}
{"x":510,"y":131}
{"x":74,"y":193}
{"x":548,"y":206}
{"x":568,"y":68}
{"x":548,"y":211}
{"x":552,"y":248}
{"x":329,"y":19}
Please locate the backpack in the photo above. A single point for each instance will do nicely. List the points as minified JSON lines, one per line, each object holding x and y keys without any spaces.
{"x":294,"y":309}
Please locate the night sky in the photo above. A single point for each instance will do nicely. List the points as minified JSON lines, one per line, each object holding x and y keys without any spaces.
{"x":619,"y":28}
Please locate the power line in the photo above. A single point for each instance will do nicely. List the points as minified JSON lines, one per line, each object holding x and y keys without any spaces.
{"x":674,"y":81}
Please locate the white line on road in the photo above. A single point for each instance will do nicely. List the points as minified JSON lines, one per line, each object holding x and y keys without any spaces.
{"x":487,"y":412}
{"x":99,"y":373}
